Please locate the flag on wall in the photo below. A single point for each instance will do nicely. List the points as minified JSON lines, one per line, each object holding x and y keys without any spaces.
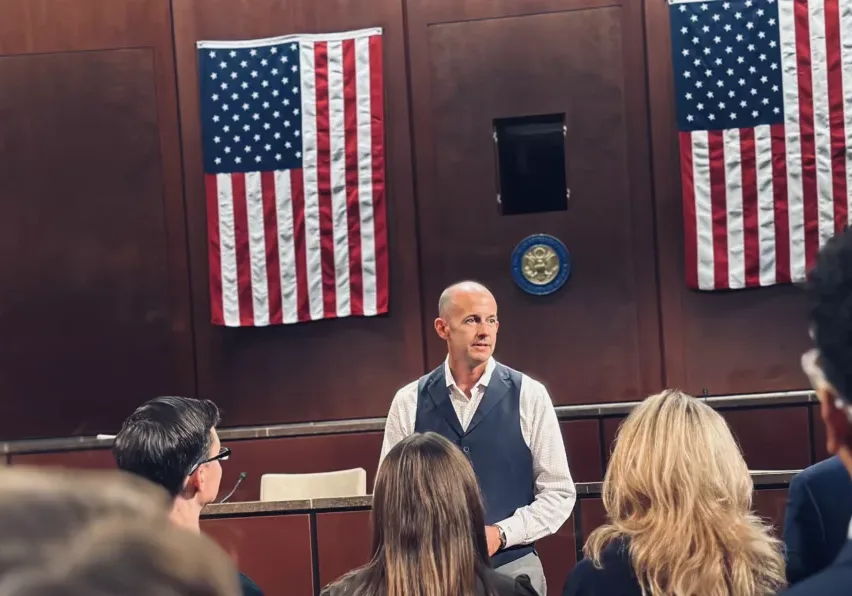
{"x":764,"y":107}
{"x":293,"y":135}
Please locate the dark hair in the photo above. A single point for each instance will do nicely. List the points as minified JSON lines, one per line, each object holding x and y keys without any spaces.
{"x":428,"y":525}
{"x":165,"y":438}
{"x":829,"y":291}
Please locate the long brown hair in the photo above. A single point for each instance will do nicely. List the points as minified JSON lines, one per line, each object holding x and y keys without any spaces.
{"x":678,"y":490}
{"x":428,"y":525}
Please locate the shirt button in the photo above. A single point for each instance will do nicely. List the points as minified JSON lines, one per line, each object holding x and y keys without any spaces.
{"x":466,"y":449}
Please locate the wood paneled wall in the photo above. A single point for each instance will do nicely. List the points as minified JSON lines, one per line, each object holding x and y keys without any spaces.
{"x":94,"y":307}
{"x":597,"y":339}
{"x":102,"y":218}
{"x":343,"y":368}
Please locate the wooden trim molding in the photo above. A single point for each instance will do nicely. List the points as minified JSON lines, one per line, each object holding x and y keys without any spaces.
{"x":761,"y":479}
{"x":360,"y":425}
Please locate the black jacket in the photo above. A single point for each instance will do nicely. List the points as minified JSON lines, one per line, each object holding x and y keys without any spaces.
{"x":835,"y":580}
{"x":817,"y":518}
{"x":615,"y":578}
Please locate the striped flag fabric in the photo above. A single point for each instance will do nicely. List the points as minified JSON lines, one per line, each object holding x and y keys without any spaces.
{"x":294,"y":172}
{"x":764,"y":101}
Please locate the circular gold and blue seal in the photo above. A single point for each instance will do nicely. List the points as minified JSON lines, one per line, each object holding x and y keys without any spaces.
{"x":540,"y":264}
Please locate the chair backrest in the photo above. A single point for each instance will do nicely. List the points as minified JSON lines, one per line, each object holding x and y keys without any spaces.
{"x":290,"y":487}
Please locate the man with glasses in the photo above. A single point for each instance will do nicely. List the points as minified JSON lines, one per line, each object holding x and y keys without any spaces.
{"x":829,"y":368}
{"x":172,"y":441}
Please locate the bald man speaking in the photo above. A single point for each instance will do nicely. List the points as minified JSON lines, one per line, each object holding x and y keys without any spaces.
{"x":504,"y":422}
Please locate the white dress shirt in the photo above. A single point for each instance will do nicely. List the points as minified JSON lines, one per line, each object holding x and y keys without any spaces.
{"x":554,"y":489}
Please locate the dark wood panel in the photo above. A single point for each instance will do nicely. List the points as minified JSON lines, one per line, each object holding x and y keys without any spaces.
{"x":298,"y":455}
{"x":558,"y":554}
{"x":724,"y":342}
{"x":273,"y":551}
{"x":91,"y":207}
{"x":582,"y":444}
{"x":442,"y":11}
{"x":771,"y":504}
{"x":93,"y":459}
{"x":592,"y":515}
{"x":343,"y":543}
{"x":820,"y":448}
{"x":772,"y":439}
{"x":602,"y":341}
{"x":610,"y":429}
{"x":322,"y":370}
{"x":42,"y":26}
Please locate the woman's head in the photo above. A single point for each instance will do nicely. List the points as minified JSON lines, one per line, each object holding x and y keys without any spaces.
{"x":426,"y":493}
{"x":428,"y":524}
{"x":678,"y":489}
{"x":674,"y":453}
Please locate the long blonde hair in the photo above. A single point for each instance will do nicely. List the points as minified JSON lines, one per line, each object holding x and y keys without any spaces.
{"x":679,"y":492}
{"x":428,"y":525}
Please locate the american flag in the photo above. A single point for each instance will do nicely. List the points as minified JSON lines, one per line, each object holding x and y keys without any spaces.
{"x":764,"y":102}
{"x":293,"y":134}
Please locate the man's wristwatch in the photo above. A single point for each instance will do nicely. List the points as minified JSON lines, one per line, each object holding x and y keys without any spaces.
{"x":502,"y":537}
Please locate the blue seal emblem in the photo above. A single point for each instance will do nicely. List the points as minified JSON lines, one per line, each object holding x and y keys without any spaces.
{"x":540,"y":264}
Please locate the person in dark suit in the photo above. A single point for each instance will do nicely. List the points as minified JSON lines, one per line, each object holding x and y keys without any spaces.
{"x":678,"y":498}
{"x":816,"y":523}
{"x":829,"y":368}
{"x":428,"y":529}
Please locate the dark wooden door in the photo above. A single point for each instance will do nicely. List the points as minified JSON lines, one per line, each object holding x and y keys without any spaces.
{"x":94,"y":306}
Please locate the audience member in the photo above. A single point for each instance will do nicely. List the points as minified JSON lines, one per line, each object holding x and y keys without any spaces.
{"x":172,"y":441}
{"x":42,"y":510}
{"x":816,"y":524}
{"x":829,"y":368}
{"x":678,"y":498}
{"x":428,"y":529}
{"x":119,"y":556}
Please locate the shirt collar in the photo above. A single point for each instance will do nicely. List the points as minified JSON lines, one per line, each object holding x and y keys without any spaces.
{"x":484,"y":380}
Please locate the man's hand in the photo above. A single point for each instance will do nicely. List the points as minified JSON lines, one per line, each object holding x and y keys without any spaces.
{"x":492,"y":535}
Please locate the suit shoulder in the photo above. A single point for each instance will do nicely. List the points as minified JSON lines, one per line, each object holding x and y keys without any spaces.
{"x":833,"y":581}
{"x":827,"y":471}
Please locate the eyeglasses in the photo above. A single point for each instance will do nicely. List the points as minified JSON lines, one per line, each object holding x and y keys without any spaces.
{"x":223,"y":454}
{"x":816,"y":376}
{"x":811,"y":367}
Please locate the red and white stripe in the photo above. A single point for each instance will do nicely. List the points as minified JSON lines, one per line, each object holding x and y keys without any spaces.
{"x":308,"y":244}
{"x":759,"y":202}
